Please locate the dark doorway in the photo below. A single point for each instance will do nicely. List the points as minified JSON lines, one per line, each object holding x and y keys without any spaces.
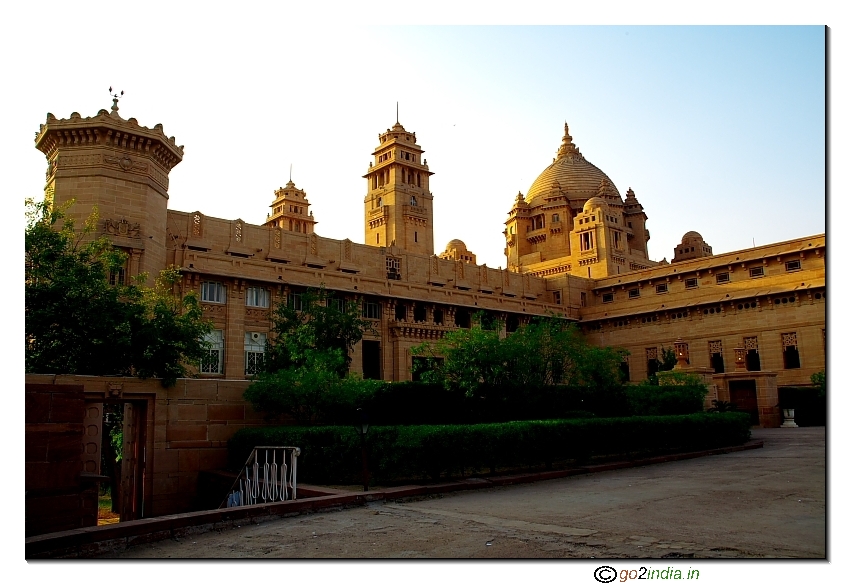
{"x":743,"y":395}
{"x":371,"y":359}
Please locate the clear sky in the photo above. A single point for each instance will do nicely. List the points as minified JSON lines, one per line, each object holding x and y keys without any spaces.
{"x":717,"y":129}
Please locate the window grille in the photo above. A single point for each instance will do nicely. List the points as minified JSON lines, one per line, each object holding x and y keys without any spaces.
{"x":255,"y":348}
{"x":793,"y":265}
{"x":722,"y":277}
{"x":691,"y":283}
{"x":214,"y":362}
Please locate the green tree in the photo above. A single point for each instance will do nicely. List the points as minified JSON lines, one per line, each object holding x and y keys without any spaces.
{"x":77,"y":323}
{"x":305,"y":373}
{"x":314,"y":322}
{"x":547,"y":351}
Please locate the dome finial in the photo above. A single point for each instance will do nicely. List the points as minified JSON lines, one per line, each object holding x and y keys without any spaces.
{"x":567,"y":147}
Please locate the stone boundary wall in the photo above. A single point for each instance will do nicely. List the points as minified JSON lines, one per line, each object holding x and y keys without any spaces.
{"x":187,"y":428}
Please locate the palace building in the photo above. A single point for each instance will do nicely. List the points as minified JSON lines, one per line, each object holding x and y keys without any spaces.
{"x":574,"y":247}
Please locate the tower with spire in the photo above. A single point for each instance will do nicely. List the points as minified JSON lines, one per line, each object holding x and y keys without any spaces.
{"x":399,"y":205}
{"x":291,"y":210}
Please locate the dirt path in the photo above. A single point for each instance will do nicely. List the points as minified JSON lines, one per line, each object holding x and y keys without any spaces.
{"x":766,"y":502}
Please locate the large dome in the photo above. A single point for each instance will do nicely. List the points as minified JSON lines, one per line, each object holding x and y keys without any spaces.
{"x":576,"y":176}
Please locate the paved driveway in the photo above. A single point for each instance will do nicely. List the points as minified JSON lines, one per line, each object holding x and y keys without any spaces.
{"x":766,"y":502}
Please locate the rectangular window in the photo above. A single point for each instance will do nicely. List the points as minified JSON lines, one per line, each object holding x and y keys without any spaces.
{"x":400,"y":312}
{"x":213,"y":292}
{"x":722,"y":277}
{"x":337,"y":303}
{"x":393,"y":268}
{"x":583,"y":297}
{"x":255,"y":348}
{"x":634,"y":293}
{"x":556,"y":296}
{"x":116,"y":276}
{"x":661,"y":288}
{"x":257,"y":297}
{"x":617,"y":240}
{"x":372,"y":310}
{"x":691,"y":283}
{"x":607,"y":298}
{"x":757,"y":272}
{"x":213,"y":363}
{"x":586,"y":240}
{"x":793,"y":265}
{"x":295,"y":301}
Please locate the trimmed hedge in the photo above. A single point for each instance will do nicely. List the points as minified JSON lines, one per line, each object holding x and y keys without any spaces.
{"x":414,"y":403}
{"x":331,"y":454}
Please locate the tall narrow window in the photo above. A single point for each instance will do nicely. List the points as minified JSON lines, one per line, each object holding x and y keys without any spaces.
{"x":715,"y":351}
{"x":255,"y":348}
{"x":377,"y":238}
{"x":753,"y":360}
{"x":790,"y":354}
{"x":213,"y":363}
{"x":651,"y":361}
{"x":116,"y":276}
{"x":415,"y":236}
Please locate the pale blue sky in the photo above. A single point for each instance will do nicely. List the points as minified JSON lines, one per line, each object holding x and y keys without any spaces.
{"x":717,"y":129}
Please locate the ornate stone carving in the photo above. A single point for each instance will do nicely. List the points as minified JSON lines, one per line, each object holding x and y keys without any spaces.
{"x":652,"y":354}
{"x":751,"y":343}
{"x":715,"y":347}
{"x":347,"y":250}
{"x":789,"y":339}
{"x":126,"y":163}
{"x":196,"y":224}
{"x":314,"y":244}
{"x":238,"y":229}
{"x":277,"y":238}
{"x":123,"y":228}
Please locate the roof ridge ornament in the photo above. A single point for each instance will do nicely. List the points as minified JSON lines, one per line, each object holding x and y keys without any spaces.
{"x":115,"y":98}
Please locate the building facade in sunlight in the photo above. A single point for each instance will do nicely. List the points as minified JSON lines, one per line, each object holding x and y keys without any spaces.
{"x":574,"y":247}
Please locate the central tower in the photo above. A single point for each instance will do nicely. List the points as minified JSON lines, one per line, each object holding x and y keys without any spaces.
{"x":399,"y":206}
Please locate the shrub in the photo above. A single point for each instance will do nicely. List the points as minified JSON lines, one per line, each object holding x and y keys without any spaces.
{"x":331,"y":454}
